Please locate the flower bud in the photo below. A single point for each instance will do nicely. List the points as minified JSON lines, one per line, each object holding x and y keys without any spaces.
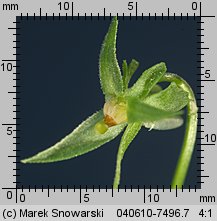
{"x":114,"y":113}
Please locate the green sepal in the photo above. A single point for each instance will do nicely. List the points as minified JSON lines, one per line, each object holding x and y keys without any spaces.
{"x":171,"y":99}
{"x":165,"y":124}
{"x":130,"y":132}
{"x":83,"y":139}
{"x":125,"y":74}
{"x":147,"y":80}
{"x":128,"y":71}
{"x":128,"y":136}
{"x":109,"y":71}
{"x":138,"y":111}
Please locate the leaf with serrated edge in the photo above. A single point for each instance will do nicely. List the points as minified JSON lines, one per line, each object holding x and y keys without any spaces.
{"x":138,"y":111}
{"x":173,"y":98}
{"x":82,"y":140}
{"x":165,"y":124}
{"x":147,"y":80}
{"x":110,"y":74}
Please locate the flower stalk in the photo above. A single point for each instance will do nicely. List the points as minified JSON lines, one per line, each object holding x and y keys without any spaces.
{"x":190,"y":132}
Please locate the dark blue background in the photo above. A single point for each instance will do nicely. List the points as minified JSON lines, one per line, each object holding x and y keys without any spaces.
{"x":60,"y":88}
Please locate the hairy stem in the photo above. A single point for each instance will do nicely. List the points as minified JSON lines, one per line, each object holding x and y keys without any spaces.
{"x":190,"y":132}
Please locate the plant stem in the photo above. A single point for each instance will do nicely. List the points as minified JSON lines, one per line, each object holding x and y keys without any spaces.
{"x":190,"y":132}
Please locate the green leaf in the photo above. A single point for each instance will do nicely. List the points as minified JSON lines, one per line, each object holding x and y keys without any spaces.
{"x":128,"y":136}
{"x":165,"y":124}
{"x":83,"y":139}
{"x":110,"y":74}
{"x":138,"y":111}
{"x":172,"y":99}
{"x":129,"y":71}
{"x":147,"y":80}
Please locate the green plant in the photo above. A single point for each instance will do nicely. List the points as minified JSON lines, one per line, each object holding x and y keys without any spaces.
{"x":143,"y":104}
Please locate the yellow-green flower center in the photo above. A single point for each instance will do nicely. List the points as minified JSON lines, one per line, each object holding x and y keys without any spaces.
{"x":101,"y":127}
